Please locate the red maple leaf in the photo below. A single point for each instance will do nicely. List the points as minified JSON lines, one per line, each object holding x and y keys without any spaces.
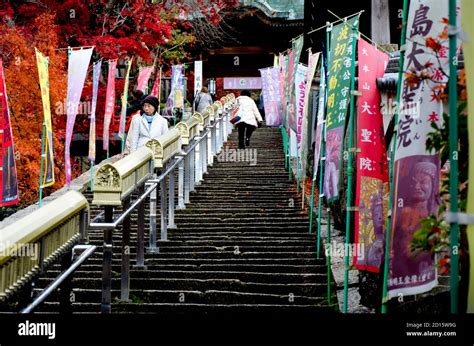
{"x":433,"y":117}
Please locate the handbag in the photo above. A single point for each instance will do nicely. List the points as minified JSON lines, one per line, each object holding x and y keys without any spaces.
{"x":235,"y":115}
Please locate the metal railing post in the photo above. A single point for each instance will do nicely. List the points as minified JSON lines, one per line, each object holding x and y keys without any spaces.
{"x":181,"y":185}
{"x":171,"y":223}
{"x":83,"y":223}
{"x":187,"y":178}
{"x":198,"y":164}
{"x":65,"y":289}
{"x":140,"y":261}
{"x":205,"y":156}
{"x":125,"y":273}
{"x":153,"y":209}
{"x":105,"y":307}
{"x":210,"y":154}
{"x":164,"y":229}
{"x":218,"y":135}
{"x":191,"y":170}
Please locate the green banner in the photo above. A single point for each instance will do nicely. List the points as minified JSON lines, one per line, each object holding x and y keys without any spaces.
{"x":341,"y":57}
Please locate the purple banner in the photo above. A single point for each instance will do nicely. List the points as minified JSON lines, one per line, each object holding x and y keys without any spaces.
{"x":271,"y":95}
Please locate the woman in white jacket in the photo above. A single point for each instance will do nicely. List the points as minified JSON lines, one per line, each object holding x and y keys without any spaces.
{"x":249,"y":115}
{"x":148,"y":125}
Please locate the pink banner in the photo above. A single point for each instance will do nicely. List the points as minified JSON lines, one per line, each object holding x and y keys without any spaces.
{"x":143,"y":77}
{"x":8,"y":176}
{"x":77,"y":71}
{"x":109,"y":103}
{"x":372,"y":167}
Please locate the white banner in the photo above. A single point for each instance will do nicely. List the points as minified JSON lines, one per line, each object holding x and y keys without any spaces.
{"x":197,"y":77}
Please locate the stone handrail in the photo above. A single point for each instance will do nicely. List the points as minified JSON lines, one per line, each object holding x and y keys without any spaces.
{"x":165,"y":146}
{"x":37,"y":239}
{"x":114,"y":182}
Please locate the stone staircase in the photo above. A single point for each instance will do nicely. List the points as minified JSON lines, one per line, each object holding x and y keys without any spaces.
{"x":242,"y":245}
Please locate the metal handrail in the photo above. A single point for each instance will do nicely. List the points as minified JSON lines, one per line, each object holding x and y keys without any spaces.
{"x":59,"y":279}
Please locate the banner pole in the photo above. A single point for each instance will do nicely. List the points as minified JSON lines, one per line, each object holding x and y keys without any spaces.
{"x":320,"y":198}
{"x":91,"y":179}
{"x":40,"y":203}
{"x":329,"y":255}
{"x":392,"y":157}
{"x":453,"y":160}
{"x":349,"y":171}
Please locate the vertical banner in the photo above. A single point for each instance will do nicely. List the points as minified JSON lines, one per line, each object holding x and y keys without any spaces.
{"x":143,"y":77}
{"x":156,"y":86}
{"x":338,"y":97}
{"x":109,"y":103}
{"x":95,"y":89}
{"x":300,"y":91}
{"x":283,"y":59}
{"x":290,"y":111}
{"x":123,"y":114}
{"x":271,"y":95}
{"x":297,"y":46}
{"x":416,"y":176}
{"x":372,"y":190}
{"x":175,"y":99}
{"x":197,"y":77}
{"x":8,"y":177}
{"x":305,"y":139}
{"x":320,"y":119}
{"x":77,"y":71}
{"x":468,"y":49}
{"x":48,"y":167}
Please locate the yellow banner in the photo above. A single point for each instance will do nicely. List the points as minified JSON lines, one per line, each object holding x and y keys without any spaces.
{"x":468,"y":48}
{"x":48,"y":167}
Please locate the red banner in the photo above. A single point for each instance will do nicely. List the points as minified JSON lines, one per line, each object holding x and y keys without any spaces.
{"x":109,"y":103}
{"x":8,"y":177}
{"x":143,"y":77}
{"x":156,"y":87}
{"x":372,"y":167}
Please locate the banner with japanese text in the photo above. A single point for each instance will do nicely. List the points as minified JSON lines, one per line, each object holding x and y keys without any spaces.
{"x":338,"y":97}
{"x":95,"y":90}
{"x":143,"y":77}
{"x":468,"y":50}
{"x":8,"y":177}
{"x":48,"y":167}
{"x":271,"y":95}
{"x":300,"y":93}
{"x":77,"y":70}
{"x":416,"y":176}
{"x":372,"y":190}
{"x":176,"y":96}
{"x":197,"y":77}
{"x":109,"y":103}
{"x":320,"y":119}
{"x":123,"y":114}
{"x":313,"y":60}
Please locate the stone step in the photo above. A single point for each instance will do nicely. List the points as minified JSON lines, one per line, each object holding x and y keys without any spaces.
{"x":209,"y":311}
{"x":307,"y":289}
{"x":195,"y":297}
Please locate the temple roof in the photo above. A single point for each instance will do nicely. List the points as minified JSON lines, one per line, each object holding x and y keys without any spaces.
{"x":281,"y":9}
